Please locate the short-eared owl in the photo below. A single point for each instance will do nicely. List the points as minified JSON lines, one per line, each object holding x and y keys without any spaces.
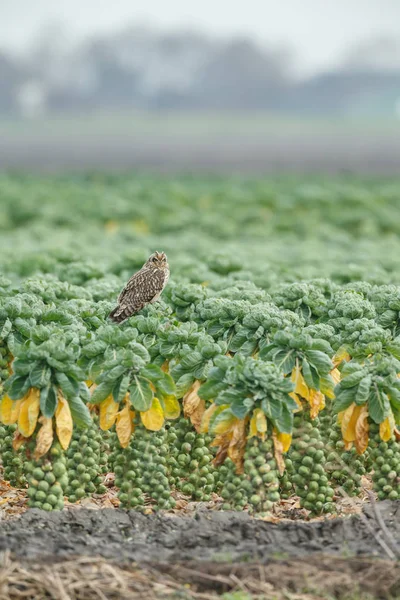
{"x":144,"y":287}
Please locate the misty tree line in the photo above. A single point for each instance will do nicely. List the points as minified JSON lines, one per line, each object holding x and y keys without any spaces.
{"x":142,"y":69}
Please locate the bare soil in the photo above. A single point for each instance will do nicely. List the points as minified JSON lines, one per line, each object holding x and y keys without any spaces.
{"x":209,"y":536}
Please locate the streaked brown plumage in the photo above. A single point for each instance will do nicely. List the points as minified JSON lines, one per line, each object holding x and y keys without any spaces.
{"x":144,"y":287}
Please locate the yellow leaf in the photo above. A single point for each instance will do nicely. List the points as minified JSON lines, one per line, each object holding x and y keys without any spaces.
{"x":297,"y":400}
{"x":261,"y":423}
{"x":335,"y":374}
{"x":193,"y":406}
{"x":9,"y":410}
{"x":348,"y":419}
{"x":165,"y":366}
{"x":44,"y":438}
{"x":153,"y":419}
{"x":362,"y":431}
{"x":386,"y":428}
{"x":285,"y":439}
{"x":237,"y":445}
{"x":108,"y":413}
{"x":205,"y":422}
{"x":258,"y":424}
{"x":316,"y":401}
{"x":300,"y":386}
{"x":111,"y":226}
{"x":253,"y":426}
{"x":64,"y":423}
{"x":224,"y":423}
{"x":29,"y":412}
{"x":172,"y":408}
{"x":340,"y":356}
{"x":278,"y":452}
{"x":125,"y":425}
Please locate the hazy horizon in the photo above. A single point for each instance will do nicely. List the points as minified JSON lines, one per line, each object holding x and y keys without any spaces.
{"x":320,"y":35}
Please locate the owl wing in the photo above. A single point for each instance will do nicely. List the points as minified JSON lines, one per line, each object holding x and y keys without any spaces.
{"x":141,"y":289}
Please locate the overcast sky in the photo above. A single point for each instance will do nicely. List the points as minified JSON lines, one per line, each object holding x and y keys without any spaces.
{"x":320,"y":31}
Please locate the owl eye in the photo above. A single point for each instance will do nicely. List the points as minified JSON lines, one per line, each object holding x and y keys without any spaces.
{"x":154,"y":259}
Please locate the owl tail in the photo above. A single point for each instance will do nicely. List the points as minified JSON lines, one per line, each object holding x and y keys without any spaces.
{"x":119,"y":314}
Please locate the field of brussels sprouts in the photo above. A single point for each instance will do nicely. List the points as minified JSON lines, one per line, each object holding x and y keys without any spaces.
{"x":266,"y":380}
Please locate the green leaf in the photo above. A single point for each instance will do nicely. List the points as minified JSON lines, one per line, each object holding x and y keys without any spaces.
{"x":69,"y":386}
{"x":120,"y":389}
{"x":183,"y":385}
{"x":48,"y":401}
{"x":363,"y":390}
{"x":239,"y":408}
{"x":6,"y":329}
{"x":322,"y":346}
{"x":191,"y":361}
{"x":102,"y":392}
{"x":352,"y":380}
{"x":272,"y":408}
{"x":351,"y":367}
{"x":306,"y":371}
{"x":378,"y":405}
{"x":152,"y":372}
{"x":84,"y":392}
{"x":20,"y":367}
{"x":161,"y":380}
{"x":17,"y":386}
{"x":141,"y":394}
{"x":319,"y":360}
{"x":113,"y":374}
{"x":343,"y":398}
{"x":80,"y":412}
{"x":284,"y":423}
{"x":94,"y":348}
{"x":210,"y":389}
{"x":40,"y":375}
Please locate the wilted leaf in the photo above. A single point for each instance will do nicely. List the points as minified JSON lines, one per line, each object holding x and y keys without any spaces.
{"x":125,"y":426}
{"x":108,"y":413}
{"x":222,"y":443}
{"x":362,"y":431}
{"x":237,"y":445}
{"x":29,"y":412}
{"x":316,"y":401}
{"x":386,"y":428}
{"x":64,"y":424}
{"x":153,"y":419}
{"x":18,"y":440}
{"x":397,"y":434}
{"x":193,"y":406}
{"x":278,"y":452}
{"x":205,"y":422}
{"x":44,"y":438}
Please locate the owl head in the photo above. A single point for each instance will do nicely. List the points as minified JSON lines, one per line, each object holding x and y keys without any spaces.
{"x":158,"y":260}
